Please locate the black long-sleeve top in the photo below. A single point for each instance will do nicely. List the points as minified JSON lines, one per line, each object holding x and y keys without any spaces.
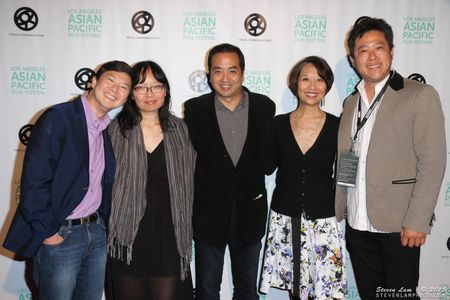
{"x":304,"y":181}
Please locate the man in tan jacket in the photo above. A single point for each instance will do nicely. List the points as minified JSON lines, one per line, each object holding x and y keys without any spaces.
{"x":392,"y":158}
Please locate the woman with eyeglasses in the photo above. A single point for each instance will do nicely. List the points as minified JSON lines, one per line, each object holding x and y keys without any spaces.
{"x":150,"y":230}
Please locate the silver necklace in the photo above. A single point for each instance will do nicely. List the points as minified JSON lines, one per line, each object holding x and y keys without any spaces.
{"x":305,"y":134}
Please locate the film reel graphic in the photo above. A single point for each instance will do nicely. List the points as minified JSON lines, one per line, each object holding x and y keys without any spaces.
{"x":83,"y":77}
{"x":142,"y":22}
{"x":198,"y":81}
{"x":26,"y":18}
{"x":417,"y":77}
{"x":255,"y":24}
{"x":25,"y":133}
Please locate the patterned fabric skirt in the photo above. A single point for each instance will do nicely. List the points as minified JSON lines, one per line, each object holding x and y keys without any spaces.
{"x":319,"y":263}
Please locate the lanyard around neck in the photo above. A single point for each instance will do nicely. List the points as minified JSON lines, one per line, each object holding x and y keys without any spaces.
{"x":360,"y":123}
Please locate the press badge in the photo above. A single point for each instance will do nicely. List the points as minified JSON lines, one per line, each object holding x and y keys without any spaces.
{"x":348,"y":168}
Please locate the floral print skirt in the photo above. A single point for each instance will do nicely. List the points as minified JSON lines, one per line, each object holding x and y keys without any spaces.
{"x":320,"y":264}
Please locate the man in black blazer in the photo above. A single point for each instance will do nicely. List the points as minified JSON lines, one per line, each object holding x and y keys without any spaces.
{"x":229,"y":129}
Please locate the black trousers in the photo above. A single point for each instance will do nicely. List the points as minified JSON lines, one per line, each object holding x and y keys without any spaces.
{"x":383,"y":268}
{"x":209,"y":261}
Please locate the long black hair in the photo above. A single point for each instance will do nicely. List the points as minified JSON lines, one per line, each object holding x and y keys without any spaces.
{"x":130,"y":114}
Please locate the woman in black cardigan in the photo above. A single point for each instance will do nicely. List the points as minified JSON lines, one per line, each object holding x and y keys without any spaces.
{"x":303,"y":252}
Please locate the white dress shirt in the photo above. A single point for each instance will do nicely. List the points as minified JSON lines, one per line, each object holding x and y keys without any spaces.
{"x":357,"y":216}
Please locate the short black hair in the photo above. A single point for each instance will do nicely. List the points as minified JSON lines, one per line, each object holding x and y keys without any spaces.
{"x":364,"y":24}
{"x":114,"y":65}
{"x":226,"y":48}
{"x":323,"y":69}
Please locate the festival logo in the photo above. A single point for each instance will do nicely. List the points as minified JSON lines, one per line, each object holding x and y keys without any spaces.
{"x":310,"y":28}
{"x":142,"y":22}
{"x":199,"y":25}
{"x":447,"y":194}
{"x":24,"y":294}
{"x":198,"y":81}
{"x":255,"y":24}
{"x":352,"y":81}
{"x":83,"y":78}
{"x":28,"y":80}
{"x":25,"y":133}
{"x":418,"y":30}
{"x":26,"y":18}
{"x":258,"y":81}
{"x":417,"y":77}
{"x":352,"y":293}
{"x":85,"y":23}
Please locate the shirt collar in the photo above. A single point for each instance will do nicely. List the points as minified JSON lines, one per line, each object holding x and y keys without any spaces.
{"x":243,"y":104}
{"x":93,"y":123}
{"x":378,"y":88}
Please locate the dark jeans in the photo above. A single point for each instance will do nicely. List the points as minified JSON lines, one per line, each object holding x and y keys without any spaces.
{"x":74,"y":268}
{"x":383,"y":268}
{"x":244,"y":267}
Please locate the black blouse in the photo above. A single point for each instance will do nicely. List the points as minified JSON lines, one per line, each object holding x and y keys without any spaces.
{"x":304,"y":181}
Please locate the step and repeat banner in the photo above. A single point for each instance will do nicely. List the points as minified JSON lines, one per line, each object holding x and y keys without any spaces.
{"x":50,"y":49}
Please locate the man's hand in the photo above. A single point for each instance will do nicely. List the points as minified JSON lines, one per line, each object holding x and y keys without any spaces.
{"x":54,"y":239}
{"x":412,"y":238}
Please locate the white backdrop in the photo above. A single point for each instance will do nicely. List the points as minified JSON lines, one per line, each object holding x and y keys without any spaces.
{"x":49,"y":47}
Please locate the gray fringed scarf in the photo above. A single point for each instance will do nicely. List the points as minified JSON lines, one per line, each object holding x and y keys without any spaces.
{"x":129,"y":190}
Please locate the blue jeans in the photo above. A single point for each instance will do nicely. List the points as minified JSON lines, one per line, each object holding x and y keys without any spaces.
{"x":75,"y":268}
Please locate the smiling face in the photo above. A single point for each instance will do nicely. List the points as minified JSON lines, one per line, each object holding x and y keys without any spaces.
{"x":311,"y":88}
{"x":372,"y":57}
{"x":149,"y":94}
{"x":109,"y":91}
{"x":226,"y":76}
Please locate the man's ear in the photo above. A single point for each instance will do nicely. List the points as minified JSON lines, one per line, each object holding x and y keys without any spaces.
{"x":351,"y":60}
{"x":208,"y":80}
{"x":93,"y":82}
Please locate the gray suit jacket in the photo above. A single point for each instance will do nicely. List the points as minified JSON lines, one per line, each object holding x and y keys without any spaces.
{"x":406,"y":158}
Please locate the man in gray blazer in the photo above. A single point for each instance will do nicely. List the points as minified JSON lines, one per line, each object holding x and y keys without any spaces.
{"x":392,"y":158}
